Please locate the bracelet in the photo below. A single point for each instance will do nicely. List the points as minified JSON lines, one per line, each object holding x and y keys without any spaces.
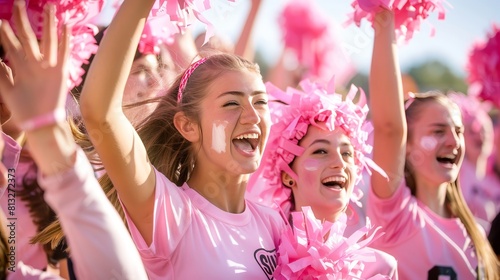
{"x":56,"y":116}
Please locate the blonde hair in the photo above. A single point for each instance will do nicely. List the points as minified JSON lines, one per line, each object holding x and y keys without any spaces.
{"x":487,"y":261}
{"x":169,"y":152}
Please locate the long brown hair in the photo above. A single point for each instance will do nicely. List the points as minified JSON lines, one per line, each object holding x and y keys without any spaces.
{"x":168,"y":151}
{"x":455,"y":202}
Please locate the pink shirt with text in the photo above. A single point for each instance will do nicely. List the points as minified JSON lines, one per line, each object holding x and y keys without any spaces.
{"x":193,"y":239}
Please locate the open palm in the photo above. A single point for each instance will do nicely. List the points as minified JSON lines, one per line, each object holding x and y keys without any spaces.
{"x":40,"y":71}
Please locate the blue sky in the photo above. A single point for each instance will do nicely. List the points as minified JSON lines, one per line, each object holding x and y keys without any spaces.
{"x":466,"y":21}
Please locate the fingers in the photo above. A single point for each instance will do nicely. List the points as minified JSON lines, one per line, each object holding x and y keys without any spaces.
{"x":11,"y":45}
{"x":64,"y":50}
{"x":49,"y":36}
{"x":25,"y":33}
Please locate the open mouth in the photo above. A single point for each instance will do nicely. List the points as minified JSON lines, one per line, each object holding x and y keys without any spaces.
{"x":247,"y":142}
{"x":447,"y":159}
{"x":335,"y":182}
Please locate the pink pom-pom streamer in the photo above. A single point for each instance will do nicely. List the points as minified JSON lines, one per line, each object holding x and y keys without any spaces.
{"x":408,"y":14}
{"x":313,"y":40}
{"x":483,"y":68}
{"x":318,"y":250}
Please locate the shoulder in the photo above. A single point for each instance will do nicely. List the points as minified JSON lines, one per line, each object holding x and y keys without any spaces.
{"x":266,"y":212}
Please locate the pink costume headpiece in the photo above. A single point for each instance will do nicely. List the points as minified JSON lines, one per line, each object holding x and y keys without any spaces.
{"x":408,"y":14}
{"x":484,"y":68}
{"x":185,"y":77}
{"x":290,"y":123}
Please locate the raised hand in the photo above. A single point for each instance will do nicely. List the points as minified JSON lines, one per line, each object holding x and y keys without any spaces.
{"x":40,"y":70}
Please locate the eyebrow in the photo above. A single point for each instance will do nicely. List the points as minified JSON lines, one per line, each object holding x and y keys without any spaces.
{"x":240,"y":93}
{"x":442,"y":125}
{"x":324,"y":141}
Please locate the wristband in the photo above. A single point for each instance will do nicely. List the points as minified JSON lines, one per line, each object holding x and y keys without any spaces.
{"x":56,"y":116}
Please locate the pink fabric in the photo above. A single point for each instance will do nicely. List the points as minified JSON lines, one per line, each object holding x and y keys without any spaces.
{"x":10,"y":155}
{"x":314,"y":249}
{"x":193,"y":239}
{"x":420,"y":240}
{"x":30,"y":254}
{"x":101,"y":247}
{"x":26,"y":272}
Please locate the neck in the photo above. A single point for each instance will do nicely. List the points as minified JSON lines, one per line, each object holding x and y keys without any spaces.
{"x":434,"y":198}
{"x":223,"y":189}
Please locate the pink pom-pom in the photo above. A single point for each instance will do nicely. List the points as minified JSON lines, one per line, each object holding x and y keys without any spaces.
{"x":83,"y":45}
{"x":6,"y":9}
{"x":484,"y":68}
{"x":408,"y":14}
{"x":318,"y":250}
{"x":313,"y":40}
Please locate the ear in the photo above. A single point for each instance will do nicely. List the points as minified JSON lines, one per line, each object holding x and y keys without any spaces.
{"x":286,"y":179}
{"x":187,"y":128}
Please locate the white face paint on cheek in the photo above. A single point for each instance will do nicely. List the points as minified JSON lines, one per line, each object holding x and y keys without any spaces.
{"x":219,"y":137}
{"x":428,"y":143}
{"x":311,"y":165}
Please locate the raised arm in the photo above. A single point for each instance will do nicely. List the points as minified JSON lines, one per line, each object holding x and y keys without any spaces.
{"x":100,"y":244}
{"x":386,"y":107}
{"x":114,"y":138}
{"x":244,"y":44}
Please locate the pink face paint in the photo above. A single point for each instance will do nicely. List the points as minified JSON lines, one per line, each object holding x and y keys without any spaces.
{"x":311,"y":165}
{"x":219,"y":137}
{"x":428,"y":143}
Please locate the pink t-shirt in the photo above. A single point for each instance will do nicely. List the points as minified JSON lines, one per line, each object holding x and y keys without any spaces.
{"x":425,"y":245}
{"x":25,"y":229}
{"x":193,"y":239}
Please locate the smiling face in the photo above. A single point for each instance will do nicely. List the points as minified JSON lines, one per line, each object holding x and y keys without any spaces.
{"x":235,"y":123}
{"x":435,"y":144}
{"x":326,"y":172}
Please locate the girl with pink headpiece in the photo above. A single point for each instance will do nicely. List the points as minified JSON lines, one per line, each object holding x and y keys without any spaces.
{"x":314,"y":158}
{"x":180,"y":179}
{"x":100,"y":243}
{"x":428,"y":227}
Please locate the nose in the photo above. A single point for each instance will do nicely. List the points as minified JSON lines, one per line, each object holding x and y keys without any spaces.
{"x":337,"y":162}
{"x":453,"y":139}
{"x":249,"y":115}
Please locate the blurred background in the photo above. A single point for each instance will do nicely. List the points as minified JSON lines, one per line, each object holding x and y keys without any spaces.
{"x":430,"y":62}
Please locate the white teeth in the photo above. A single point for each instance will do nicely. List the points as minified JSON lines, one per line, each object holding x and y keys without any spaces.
{"x":339,"y":179}
{"x":248,"y":136}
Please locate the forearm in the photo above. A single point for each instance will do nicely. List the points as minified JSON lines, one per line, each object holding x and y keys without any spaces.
{"x":52,"y":148}
{"x":105,"y":83}
{"x":244,"y":45}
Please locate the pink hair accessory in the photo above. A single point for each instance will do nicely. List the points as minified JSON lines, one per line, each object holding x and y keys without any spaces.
{"x":409,"y":14}
{"x":409,"y":101}
{"x":483,"y":68}
{"x":186,"y":76}
{"x":304,"y":253}
{"x":290,"y":123}
{"x":48,"y":119}
{"x":314,"y":42}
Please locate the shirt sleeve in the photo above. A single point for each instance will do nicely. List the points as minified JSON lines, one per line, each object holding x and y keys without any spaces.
{"x":98,"y":240}
{"x":172,"y":217}
{"x":398,"y":214}
{"x":10,"y":157}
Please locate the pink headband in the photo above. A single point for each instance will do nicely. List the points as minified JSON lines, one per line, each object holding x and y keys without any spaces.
{"x":186,"y":76}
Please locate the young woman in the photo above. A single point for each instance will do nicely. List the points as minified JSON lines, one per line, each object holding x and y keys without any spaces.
{"x":181,"y":178}
{"x":429,"y":228}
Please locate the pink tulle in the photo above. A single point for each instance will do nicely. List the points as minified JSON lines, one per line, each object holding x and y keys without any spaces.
{"x":290,"y":123}
{"x":318,"y":250}
{"x":409,"y":14}
{"x":313,"y":40}
{"x":484,"y":68}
